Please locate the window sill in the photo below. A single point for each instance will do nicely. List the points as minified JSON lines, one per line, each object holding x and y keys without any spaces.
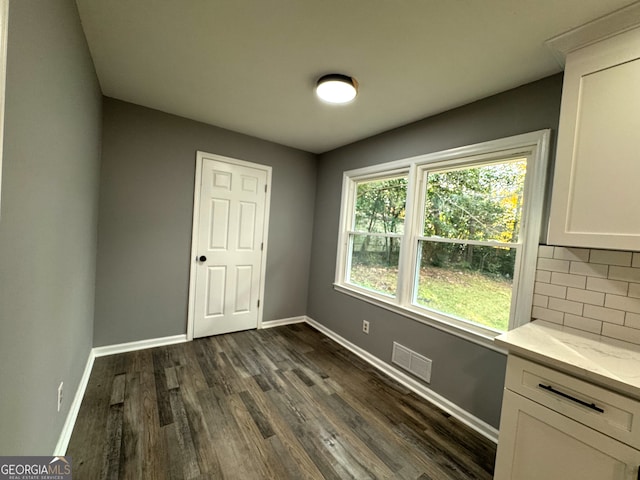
{"x":468,"y":332}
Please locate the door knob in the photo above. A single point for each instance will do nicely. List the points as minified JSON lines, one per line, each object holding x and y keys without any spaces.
{"x":202,"y":258}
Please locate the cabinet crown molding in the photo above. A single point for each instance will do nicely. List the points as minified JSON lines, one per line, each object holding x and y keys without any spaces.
{"x":619,"y":21}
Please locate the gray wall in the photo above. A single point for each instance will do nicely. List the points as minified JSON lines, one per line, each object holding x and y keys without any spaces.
{"x":467,"y":374}
{"x":48,"y":221}
{"x":146,"y":208}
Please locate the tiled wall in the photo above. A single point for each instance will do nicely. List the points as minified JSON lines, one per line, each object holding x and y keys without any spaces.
{"x":593,"y":290}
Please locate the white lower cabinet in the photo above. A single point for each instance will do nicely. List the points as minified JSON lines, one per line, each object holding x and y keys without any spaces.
{"x":538,"y":442}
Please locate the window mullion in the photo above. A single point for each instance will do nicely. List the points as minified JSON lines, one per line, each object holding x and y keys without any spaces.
{"x":407,"y":262}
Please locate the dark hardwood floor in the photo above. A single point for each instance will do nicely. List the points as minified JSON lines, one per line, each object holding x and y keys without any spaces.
{"x":282,"y":403}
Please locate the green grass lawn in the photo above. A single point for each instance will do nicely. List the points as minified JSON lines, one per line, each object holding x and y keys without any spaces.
{"x":464,"y":294}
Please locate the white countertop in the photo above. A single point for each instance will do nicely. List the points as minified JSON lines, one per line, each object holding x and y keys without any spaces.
{"x":608,"y":362}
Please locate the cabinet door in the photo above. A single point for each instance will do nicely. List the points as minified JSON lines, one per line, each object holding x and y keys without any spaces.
{"x":537,"y":443}
{"x":595,"y":186}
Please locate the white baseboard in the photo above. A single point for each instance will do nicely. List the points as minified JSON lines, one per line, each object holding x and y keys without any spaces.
{"x":438,"y":400}
{"x":139,"y":345}
{"x":70,"y":421}
{"x":283,"y":321}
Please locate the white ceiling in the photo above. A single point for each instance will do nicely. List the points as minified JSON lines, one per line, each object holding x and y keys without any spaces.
{"x":251,"y":65}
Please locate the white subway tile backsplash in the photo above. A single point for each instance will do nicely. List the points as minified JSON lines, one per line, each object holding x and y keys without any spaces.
{"x":585,"y":296}
{"x":545,"y":251}
{"x":634,"y":290}
{"x":540,"y":300}
{"x":565,"y":306}
{"x":589,"y":269}
{"x":607,"y":286}
{"x":596,"y":291}
{"x":622,"y":333}
{"x":575,"y":254}
{"x":604,"y":314}
{"x":627,"y":274}
{"x":582,"y":323}
{"x":622,"y":303}
{"x":553,"y":265}
{"x":611,"y":257}
{"x":550,"y":290}
{"x":543,"y":276}
{"x":540,"y":313}
{"x":632,"y":320}
{"x":568,"y":280}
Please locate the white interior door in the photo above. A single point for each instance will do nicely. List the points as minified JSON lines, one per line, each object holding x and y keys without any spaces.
{"x":228,"y":240}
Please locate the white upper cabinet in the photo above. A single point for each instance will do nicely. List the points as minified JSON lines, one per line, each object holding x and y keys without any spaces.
{"x":596,"y":184}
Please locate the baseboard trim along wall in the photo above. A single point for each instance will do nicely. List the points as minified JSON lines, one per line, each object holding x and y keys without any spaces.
{"x":70,"y":421}
{"x":283,"y":321}
{"x":418,"y":388}
{"x":139,"y":345}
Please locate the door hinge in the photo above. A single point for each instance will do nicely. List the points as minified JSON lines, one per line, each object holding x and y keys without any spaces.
{"x":262,"y":246}
{"x":258,"y":303}
{"x":265,"y":189}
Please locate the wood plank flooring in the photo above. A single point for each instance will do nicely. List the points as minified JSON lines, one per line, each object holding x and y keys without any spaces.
{"x":282,"y":403}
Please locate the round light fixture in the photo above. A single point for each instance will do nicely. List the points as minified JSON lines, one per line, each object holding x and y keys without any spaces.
{"x":336,"y":88}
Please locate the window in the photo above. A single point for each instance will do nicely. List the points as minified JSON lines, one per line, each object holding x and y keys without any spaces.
{"x":376,"y":234}
{"x":469,"y":241}
{"x":448,"y":238}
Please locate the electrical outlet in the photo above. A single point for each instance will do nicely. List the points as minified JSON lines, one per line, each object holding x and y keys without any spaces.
{"x":60,"y":395}
{"x":365,"y":326}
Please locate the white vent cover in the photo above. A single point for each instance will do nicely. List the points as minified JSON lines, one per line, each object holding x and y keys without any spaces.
{"x":412,"y":362}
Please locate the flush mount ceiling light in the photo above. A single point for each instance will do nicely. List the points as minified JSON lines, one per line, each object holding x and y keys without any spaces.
{"x":336,"y":88}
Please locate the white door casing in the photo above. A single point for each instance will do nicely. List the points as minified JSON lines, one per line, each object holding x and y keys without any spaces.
{"x":230,"y":223}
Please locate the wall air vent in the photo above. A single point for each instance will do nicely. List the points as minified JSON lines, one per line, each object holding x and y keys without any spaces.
{"x":412,"y":362}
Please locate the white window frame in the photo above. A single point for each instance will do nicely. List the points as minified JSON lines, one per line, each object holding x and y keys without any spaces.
{"x":533,"y":146}
{"x":4,"y":24}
